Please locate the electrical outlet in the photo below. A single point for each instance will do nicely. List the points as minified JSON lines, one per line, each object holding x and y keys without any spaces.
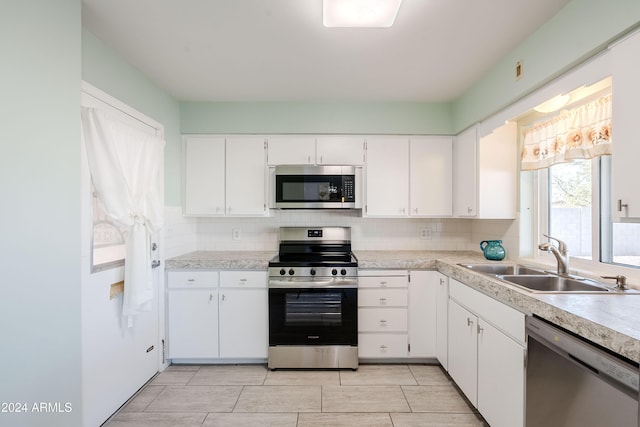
{"x":425,"y":233}
{"x":235,"y":233}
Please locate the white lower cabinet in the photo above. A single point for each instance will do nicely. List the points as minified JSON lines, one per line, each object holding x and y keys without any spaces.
{"x":208,"y":320}
{"x":397,"y":314}
{"x":486,"y":354}
{"x":442,"y":319}
{"x":422,"y":313}
{"x":382,"y":314}
{"x":193,"y":323}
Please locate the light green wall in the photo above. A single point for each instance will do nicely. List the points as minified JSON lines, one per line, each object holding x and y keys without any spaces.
{"x":578,"y":31}
{"x":340,"y":118}
{"x":40,"y":215}
{"x":103,"y":68}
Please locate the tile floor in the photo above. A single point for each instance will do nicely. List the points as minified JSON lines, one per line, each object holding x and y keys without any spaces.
{"x":251,"y":395}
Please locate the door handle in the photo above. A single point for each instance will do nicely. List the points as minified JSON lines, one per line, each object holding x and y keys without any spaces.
{"x":155,"y":263}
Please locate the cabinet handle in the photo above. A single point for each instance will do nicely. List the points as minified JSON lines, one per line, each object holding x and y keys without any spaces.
{"x":223,"y":297}
{"x":383,"y":323}
{"x":480,"y":329}
{"x":469,"y":210}
{"x":469,"y":322}
{"x":243,"y":281}
{"x":320,"y":159}
{"x":621,"y":205}
{"x":191,"y":280}
{"x":383,"y":284}
{"x":309,"y":159}
{"x":210,"y":297}
{"x":383,"y":347}
{"x":383,"y":301}
{"x":441,"y":282}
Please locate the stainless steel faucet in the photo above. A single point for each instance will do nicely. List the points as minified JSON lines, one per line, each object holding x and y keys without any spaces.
{"x":561,"y":253}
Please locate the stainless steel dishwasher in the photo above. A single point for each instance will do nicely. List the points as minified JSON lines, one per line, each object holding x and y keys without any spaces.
{"x":572,"y":382}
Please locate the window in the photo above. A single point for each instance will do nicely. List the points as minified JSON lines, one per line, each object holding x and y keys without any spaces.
{"x":108,"y":244}
{"x":577,"y":209}
{"x":570,"y":206}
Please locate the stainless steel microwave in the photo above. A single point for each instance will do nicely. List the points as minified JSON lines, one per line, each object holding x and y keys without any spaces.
{"x":316,"y":187}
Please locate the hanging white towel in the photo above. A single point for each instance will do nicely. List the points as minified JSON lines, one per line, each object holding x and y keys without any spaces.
{"x":125,"y":165}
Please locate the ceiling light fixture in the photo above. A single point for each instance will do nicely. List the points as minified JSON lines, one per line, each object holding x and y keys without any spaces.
{"x":359,"y":13}
{"x":553,"y":104}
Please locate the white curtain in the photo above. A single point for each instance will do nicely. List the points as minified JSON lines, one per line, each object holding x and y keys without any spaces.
{"x":581,"y":133}
{"x":125,"y":165}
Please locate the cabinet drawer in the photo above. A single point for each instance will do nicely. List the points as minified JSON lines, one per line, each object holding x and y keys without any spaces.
{"x":383,"y":281}
{"x":382,"y":297}
{"x":382,"y":345}
{"x":192,"y":279}
{"x":243,"y":279}
{"x":382,"y":319}
{"x":505,"y":318}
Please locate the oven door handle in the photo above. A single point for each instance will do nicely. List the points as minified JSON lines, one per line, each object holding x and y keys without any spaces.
{"x":289,"y":284}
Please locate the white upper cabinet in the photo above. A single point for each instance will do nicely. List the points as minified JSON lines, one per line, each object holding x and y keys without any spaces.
{"x":430,"y":180}
{"x":204,"y":175}
{"x":465,"y":173}
{"x":309,"y":150}
{"x":497,"y":173}
{"x":340,"y":150}
{"x":485,"y":173}
{"x":626,"y":146}
{"x":224,"y":176}
{"x":291,"y":150}
{"x":246,"y":176}
{"x":387,"y":176}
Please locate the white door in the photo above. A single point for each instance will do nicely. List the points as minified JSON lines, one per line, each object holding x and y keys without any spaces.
{"x":465,"y":173}
{"x":246,"y":176}
{"x":292,"y":150}
{"x":442,"y":319}
{"x":116,"y":360}
{"x":387,"y":177}
{"x":340,"y":150}
{"x":463,"y":350}
{"x":422,"y":313}
{"x":431,"y":176}
{"x":243,"y":323}
{"x":204,"y":174}
{"x":193,"y":323}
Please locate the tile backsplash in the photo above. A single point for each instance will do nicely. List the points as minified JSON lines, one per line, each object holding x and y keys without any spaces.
{"x":185,"y":234}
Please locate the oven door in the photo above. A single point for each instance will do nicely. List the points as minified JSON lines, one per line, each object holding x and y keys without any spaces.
{"x":313,"y":316}
{"x":315,"y":187}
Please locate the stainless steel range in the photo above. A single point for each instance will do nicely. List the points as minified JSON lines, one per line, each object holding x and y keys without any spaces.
{"x":313,"y":300}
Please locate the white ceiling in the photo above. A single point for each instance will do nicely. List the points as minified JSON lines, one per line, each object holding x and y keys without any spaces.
{"x":278,"y":50}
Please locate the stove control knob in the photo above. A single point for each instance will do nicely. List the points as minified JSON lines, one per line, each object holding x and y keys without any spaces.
{"x":282,"y":272}
{"x":334,"y":271}
{"x":343,"y":272}
{"x":291,"y":272}
{"x":313,"y":272}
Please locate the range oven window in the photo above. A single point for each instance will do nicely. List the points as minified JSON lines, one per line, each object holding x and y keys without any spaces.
{"x":313,"y":309}
{"x":313,"y":316}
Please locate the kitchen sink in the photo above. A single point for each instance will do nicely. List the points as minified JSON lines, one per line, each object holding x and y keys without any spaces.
{"x":502,"y":269}
{"x":558,"y":284}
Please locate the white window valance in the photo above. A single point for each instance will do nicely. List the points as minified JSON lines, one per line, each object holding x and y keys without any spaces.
{"x":580,"y":133}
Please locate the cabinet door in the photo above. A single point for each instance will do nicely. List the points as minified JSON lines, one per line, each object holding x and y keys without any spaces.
{"x":204,"y":173}
{"x":463,"y":350}
{"x":501,"y":376}
{"x":193,"y":323}
{"x":497,"y":169}
{"x":387,"y":184}
{"x":431,"y":176}
{"x":442,"y":319}
{"x":340,"y":150}
{"x":626,"y":149}
{"x":422,"y":314}
{"x":246,"y":177}
{"x":465,"y":173}
{"x":243,"y":323}
{"x":294,"y":150}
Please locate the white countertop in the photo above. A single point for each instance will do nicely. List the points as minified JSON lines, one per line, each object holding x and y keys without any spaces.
{"x":610,"y":320}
